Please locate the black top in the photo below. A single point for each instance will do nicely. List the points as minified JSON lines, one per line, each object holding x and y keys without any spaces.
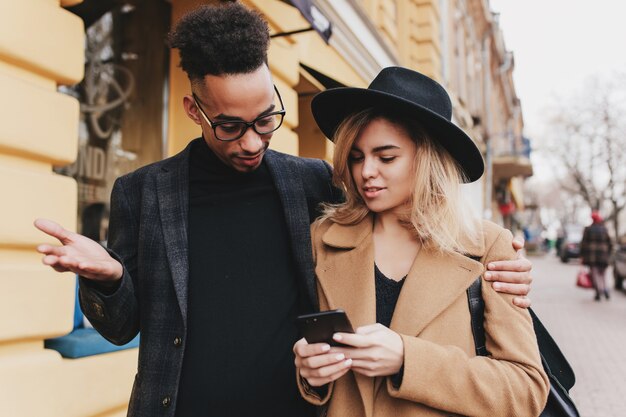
{"x":387,"y":293}
{"x":243,"y":296}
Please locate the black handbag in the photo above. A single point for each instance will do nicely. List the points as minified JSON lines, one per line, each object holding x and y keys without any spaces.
{"x":555,"y":365}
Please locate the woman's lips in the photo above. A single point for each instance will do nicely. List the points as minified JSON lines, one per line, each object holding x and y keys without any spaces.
{"x":372,"y":192}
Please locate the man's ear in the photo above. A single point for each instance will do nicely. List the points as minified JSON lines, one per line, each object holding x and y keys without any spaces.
{"x":191,"y":109}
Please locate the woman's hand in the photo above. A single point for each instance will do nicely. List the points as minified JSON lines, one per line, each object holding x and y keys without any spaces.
{"x":317,"y":364}
{"x":376,"y":350}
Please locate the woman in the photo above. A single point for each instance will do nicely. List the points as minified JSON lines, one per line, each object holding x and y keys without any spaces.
{"x":398,"y":256}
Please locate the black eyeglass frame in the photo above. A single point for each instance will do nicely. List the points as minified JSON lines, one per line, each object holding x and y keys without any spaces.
{"x":248,"y":125}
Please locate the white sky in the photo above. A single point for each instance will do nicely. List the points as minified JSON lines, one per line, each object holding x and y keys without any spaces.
{"x":558,"y":44}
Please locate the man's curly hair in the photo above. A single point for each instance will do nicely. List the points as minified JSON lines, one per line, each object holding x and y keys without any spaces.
{"x":224,"y":39}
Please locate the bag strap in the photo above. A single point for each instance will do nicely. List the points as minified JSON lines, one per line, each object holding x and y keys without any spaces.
{"x":477,"y":313}
{"x":553,"y":360}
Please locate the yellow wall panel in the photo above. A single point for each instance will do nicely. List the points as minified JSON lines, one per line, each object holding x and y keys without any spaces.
{"x":28,"y":195}
{"x":330,"y":150}
{"x":388,"y":7}
{"x":424,"y":33}
{"x":19,"y":256}
{"x":286,"y":141}
{"x":431,"y":69}
{"x":432,"y":3}
{"x":180,"y":128}
{"x":37,"y":122}
{"x":281,"y":16}
{"x":121,"y":412}
{"x":44,"y":384}
{"x":290,"y":100}
{"x":283,"y":61}
{"x":426,"y":52}
{"x":56,"y":51}
{"x":310,"y":139}
{"x":316,"y":54}
{"x":19,"y":163}
{"x":38,"y":300}
{"x":427,"y":15}
{"x":389,"y":26}
{"x":28,"y":76}
{"x":17,"y":350}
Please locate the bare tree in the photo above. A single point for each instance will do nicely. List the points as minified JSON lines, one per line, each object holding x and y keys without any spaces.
{"x":588,"y":138}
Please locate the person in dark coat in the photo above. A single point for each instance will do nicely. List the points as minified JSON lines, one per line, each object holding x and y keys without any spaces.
{"x":595,"y":251}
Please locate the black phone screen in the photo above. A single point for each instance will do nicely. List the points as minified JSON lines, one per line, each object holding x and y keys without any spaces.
{"x":320,"y":327}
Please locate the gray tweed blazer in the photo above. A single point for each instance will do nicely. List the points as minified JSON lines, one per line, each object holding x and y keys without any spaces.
{"x":148,"y":234}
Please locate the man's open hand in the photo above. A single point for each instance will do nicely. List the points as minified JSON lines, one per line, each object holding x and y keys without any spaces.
{"x":78,"y":254}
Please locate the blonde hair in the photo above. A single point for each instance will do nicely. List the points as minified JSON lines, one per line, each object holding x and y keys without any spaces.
{"x":438,"y":213}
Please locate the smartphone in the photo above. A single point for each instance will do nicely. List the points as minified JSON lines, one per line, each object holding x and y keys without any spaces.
{"x":320,"y":327}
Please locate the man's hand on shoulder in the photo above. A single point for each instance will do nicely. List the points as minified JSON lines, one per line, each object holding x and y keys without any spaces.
{"x":512,"y":277}
{"x":78,"y":254}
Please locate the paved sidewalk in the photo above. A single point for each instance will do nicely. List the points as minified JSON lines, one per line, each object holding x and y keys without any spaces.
{"x":591,"y":334}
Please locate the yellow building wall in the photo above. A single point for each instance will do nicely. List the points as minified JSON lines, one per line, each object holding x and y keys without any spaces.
{"x":39,"y":129}
{"x":412,"y":28}
{"x":418,"y":40}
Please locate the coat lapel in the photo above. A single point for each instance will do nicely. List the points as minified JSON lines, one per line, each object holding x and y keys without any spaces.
{"x":293,"y":199}
{"x":348,"y":282}
{"x":434,"y":282}
{"x":348,"y":279}
{"x":173,"y":197}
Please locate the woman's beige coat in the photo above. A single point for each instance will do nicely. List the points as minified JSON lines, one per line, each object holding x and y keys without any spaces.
{"x":442,"y":375}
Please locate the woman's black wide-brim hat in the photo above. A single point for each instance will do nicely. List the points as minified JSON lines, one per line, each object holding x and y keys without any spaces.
{"x":408,"y":93}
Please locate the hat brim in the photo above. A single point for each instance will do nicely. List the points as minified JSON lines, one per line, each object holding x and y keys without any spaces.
{"x":332,"y":106}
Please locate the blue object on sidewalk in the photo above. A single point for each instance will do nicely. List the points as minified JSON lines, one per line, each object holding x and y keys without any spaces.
{"x":78,"y":313}
{"x":85,"y":342}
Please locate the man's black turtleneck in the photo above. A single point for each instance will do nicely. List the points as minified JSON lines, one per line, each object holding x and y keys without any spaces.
{"x":243,"y":296}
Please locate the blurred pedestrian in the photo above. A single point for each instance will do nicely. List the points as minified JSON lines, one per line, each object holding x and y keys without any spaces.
{"x":595,"y":250}
{"x":560,"y":237}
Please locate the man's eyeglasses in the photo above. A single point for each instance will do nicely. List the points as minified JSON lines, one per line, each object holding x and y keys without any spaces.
{"x":234,"y":129}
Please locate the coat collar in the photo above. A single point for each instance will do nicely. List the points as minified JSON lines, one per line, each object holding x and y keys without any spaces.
{"x":350,"y":236}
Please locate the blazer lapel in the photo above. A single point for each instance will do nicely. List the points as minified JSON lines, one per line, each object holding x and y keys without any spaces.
{"x":347,"y":281}
{"x":434,"y":282}
{"x":293,"y":199}
{"x":173,"y":196}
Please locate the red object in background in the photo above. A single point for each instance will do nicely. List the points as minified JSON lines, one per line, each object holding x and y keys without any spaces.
{"x":507,"y":208}
{"x":583,"y":280}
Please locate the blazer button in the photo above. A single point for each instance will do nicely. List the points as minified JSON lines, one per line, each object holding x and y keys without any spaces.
{"x":178,"y":341}
{"x":166,"y":401}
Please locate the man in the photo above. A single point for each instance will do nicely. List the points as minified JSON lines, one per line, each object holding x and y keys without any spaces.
{"x":210,"y":253}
